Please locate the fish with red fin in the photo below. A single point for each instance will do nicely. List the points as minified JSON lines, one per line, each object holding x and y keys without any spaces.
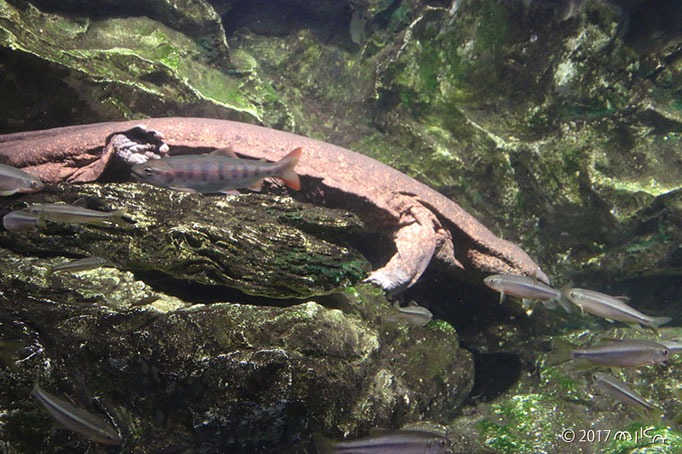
{"x":219,"y":171}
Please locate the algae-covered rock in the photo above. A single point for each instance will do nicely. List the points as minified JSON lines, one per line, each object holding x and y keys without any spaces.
{"x":133,"y":347}
{"x":237,"y":242}
{"x":645,"y":261}
{"x":556,"y":123}
{"x":558,"y":408}
{"x":119,"y":63}
{"x":221,"y":377}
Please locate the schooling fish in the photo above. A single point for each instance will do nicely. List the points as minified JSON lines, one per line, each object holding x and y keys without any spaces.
{"x":77,"y":419}
{"x":525,"y":287}
{"x":612,"y":308}
{"x":387,"y":442}
{"x":13,"y":180}
{"x":628,"y":353}
{"x":72,"y":214}
{"x":621,"y":391}
{"x":413,"y":313}
{"x":20,"y":221}
{"x":220,"y":171}
{"x":84,"y":264}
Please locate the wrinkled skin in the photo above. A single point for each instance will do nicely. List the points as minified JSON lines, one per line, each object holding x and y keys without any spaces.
{"x":422,"y":222}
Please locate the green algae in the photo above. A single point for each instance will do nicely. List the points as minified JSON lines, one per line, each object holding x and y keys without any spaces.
{"x":527,"y":423}
{"x":163,"y":62}
{"x":493,"y":28}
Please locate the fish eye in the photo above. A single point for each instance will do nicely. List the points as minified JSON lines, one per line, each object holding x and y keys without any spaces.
{"x":665,"y":352}
{"x":148,"y":171}
{"x":34,"y":183}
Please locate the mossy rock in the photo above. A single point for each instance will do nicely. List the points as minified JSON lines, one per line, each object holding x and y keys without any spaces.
{"x":225,"y":376}
{"x":241,"y":242}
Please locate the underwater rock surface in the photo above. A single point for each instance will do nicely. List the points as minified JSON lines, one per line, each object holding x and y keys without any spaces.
{"x":249,"y":242}
{"x":547,"y":120}
{"x":132,"y":345}
{"x":223,"y":376}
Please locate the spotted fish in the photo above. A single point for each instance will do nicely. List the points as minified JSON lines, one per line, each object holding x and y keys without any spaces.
{"x":220,"y":171}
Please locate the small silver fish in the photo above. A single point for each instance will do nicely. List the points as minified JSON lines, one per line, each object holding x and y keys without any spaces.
{"x":621,"y":391}
{"x":20,"y":221}
{"x":84,"y":264}
{"x":525,"y":287}
{"x":77,"y":419}
{"x":13,"y":180}
{"x":413,"y":314}
{"x":612,"y":308}
{"x":220,"y":171}
{"x":387,"y":442}
{"x":627,"y":353}
{"x":73,"y":214}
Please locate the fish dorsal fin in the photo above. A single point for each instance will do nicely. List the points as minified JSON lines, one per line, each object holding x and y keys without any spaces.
{"x":396,"y":304}
{"x":227,"y":151}
{"x":624,"y":299}
{"x":80,"y":202}
{"x":412,"y":304}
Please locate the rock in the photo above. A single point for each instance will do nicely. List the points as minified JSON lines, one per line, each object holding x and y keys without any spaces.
{"x":559,"y":401}
{"x":175,"y":62}
{"x":224,"y":376}
{"x":237,"y":242}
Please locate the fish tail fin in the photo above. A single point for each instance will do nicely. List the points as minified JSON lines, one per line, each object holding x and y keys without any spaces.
{"x":324,"y":444}
{"x":549,"y":304}
{"x":658,"y":321}
{"x":565,"y":303}
{"x":655,"y":323}
{"x":563,"y":300}
{"x":36,"y":389}
{"x":582,"y":365}
{"x":564,"y":352}
{"x":287,"y":164}
{"x":117,"y":217}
